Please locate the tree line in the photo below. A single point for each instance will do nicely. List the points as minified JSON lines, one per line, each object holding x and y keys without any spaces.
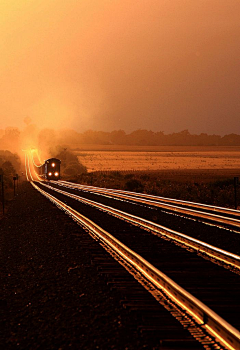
{"x":14,"y":139}
{"x":143,"y":137}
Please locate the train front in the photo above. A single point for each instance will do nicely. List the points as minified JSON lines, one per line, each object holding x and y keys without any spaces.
{"x":52,"y":169}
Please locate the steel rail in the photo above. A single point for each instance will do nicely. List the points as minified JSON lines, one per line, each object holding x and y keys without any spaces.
{"x":33,"y":161}
{"x":203,"y":315}
{"x":37,"y":177}
{"x":190,"y":212}
{"x":26,"y":168}
{"x":232,"y":212}
{"x":213,"y":252}
{"x":29,"y":169}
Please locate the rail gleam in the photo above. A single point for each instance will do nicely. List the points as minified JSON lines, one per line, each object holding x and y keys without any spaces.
{"x":204,"y":316}
{"x":233,"y":222}
{"x":213,"y":252}
{"x":222,"y":331}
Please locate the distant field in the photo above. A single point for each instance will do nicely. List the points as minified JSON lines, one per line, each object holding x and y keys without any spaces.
{"x":107,"y":157}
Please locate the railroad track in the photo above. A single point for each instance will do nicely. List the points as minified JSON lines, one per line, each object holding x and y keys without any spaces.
{"x":201,"y":247}
{"x":213,"y":234}
{"x":229,"y":337}
{"x":143,"y":257}
{"x":214,"y":215}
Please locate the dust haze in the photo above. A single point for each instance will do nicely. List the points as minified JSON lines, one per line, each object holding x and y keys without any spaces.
{"x":105,"y":65}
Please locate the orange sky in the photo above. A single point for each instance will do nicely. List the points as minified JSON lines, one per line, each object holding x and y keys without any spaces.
{"x":164,"y":65}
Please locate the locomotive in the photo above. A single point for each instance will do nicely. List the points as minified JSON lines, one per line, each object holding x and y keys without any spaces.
{"x":50,"y":169}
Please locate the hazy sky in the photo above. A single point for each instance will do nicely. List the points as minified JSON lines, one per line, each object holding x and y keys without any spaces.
{"x":164,"y":65}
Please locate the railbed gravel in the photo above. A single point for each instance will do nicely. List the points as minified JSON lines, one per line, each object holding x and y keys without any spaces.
{"x":53,"y":296}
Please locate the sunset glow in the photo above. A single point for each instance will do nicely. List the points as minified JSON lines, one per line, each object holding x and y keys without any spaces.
{"x":104,"y":65}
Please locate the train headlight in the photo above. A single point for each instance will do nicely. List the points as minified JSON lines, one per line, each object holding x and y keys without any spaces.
{"x":53,"y":165}
{"x":50,"y":174}
{"x":56,"y":173}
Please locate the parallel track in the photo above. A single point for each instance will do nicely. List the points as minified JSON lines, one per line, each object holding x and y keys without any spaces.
{"x":218,"y":210}
{"x":231,"y":217}
{"x":213,"y":252}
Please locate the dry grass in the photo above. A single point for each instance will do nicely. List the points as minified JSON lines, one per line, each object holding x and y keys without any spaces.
{"x":199,"y":174}
{"x":115,"y":158}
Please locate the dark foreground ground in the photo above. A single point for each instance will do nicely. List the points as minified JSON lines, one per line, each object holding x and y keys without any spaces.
{"x":52,"y":293}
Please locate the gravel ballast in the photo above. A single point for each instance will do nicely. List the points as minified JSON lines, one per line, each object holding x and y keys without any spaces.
{"x":53,"y":296}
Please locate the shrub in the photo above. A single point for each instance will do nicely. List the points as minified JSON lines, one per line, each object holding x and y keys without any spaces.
{"x":134,"y":185}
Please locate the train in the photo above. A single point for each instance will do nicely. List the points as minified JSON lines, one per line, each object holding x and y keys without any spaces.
{"x":50,"y":169}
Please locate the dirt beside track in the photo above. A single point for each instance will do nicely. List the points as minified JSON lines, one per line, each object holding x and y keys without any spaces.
{"x":53,"y":297}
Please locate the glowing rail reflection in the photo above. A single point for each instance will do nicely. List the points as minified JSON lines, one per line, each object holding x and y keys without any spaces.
{"x":216,"y":253}
{"x":214,"y":324}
